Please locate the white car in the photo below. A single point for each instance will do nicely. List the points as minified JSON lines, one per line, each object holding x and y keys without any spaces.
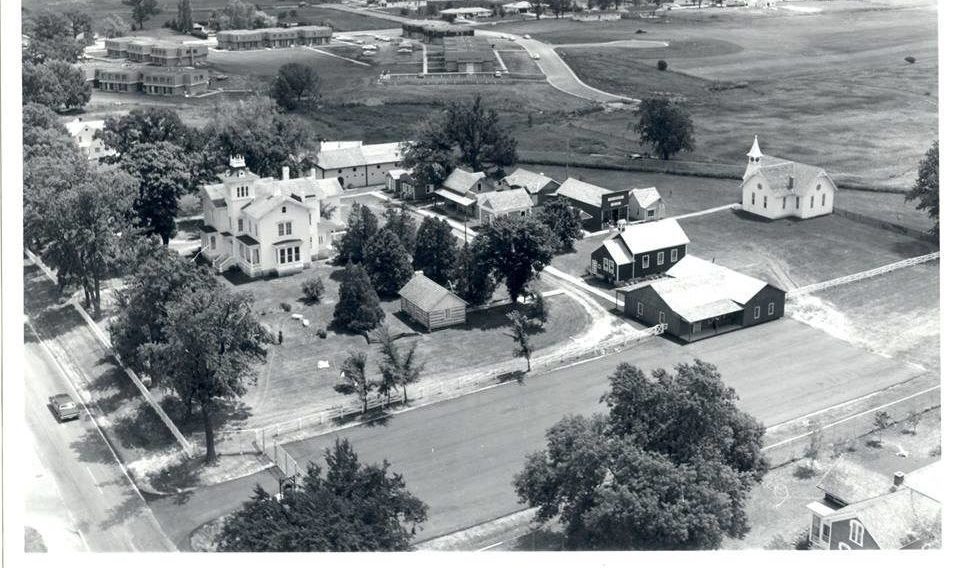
{"x":370,"y":47}
{"x":535,"y":56}
{"x":526,"y":36}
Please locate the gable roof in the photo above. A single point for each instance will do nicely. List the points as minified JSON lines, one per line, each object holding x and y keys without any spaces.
{"x":618,"y":251}
{"x":75,"y":127}
{"x":261,"y":206}
{"x":425,"y":293}
{"x":269,"y":193}
{"x":645,"y":196}
{"x":347,"y":155}
{"x":582,"y":191}
{"x":851,"y":482}
{"x":891,"y":519}
{"x":646,"y":237}
{"x":778,"y":173}
{"x":531,"y":181}
{"x":461,"y":180}
{"x":506,"y":200}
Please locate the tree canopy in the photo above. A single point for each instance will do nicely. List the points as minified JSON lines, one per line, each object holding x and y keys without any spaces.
{"x":516,"y":249}
{"x":670,"y":467}
{"x":358,"y":308}
{"x":55,"y":84}
{"x":387,"y":262}
{"x":53,"y":35}
{"x":563,"y":222}
{"x":435,"y":251}
{"x":296,"y":86}
{"x":184,"y":21}
{"x":164,"y":175}
{"x":926,"y":190}
{"x":239,"y":15}
{"x":665,"y":125}
{"x":355,"y":507}
{"x":474,"y":282}
{"x":401,"y":222}
{"x":142,"y":10}
{"x":362,"y":225}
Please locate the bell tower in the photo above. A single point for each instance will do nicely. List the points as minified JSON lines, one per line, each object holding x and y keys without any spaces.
{"x":754,"y":157}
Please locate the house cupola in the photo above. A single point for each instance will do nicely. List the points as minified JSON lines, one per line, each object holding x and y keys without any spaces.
{"x":754,"y":157}
{"x":237,"y":162}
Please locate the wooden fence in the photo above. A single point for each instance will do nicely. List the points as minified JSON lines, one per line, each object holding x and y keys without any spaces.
{"x":809,"y":289}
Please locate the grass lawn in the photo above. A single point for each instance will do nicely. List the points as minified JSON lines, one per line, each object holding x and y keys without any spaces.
{"x":897,"y":313}
{"x":792,"y":253}
{"x":339,"y":20}
{"x":891,"y":207}
{"x":290,"y":384}
{"x":577,"y":261}
{"x":518,"y":61}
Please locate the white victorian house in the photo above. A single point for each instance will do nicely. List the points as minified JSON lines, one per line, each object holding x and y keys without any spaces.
{"x":775,"y":188}
{"x":267,"y":225}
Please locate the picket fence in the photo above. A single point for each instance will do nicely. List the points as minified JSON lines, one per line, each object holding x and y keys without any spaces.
{"x":809,"y":289}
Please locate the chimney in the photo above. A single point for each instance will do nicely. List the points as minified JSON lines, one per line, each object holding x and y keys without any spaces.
{"x":898,"y":478}
{"x":420,"y":272}
{"x":286,"y":172}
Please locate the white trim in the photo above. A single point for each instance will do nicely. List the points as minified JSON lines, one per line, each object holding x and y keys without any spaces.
{"x":856,"y":532}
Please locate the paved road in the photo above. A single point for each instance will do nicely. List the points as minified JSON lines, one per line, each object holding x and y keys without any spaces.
{"x":99,"y":502}
{"x":460,"y":455}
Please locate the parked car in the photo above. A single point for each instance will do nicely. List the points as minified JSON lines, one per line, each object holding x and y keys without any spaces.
{"x":370,"y":47}
{"x":535,"y":56}
{"x":497,"y":74}
{"x":526,"y":36}
{"x":64,"y":407}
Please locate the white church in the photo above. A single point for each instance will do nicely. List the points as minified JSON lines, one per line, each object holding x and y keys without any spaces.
{"x":775,"y":188}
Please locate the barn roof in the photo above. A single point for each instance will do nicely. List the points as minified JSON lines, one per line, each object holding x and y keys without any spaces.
{"x":506,"y":200}
{"x":346,"y":155}
{"x":645,"y":196}
{"x":425,"y":293}
{"x":531,"y":181}
{"x":582,"y":191}
{"x":461,"y":180}
{"x":646,"y":237}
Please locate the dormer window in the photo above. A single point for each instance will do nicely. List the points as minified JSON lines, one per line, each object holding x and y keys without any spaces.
{"x":759,"y":186}
{"x":818,"y":187}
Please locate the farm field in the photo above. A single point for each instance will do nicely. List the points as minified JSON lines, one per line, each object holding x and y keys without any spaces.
{"x":101,"y":8}
{"x":897,"y":313}
{"x":880,"y":111}
{"x":791,"y":253}
{"x":290,"y":384}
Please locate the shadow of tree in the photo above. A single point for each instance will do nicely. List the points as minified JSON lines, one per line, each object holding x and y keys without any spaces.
{"x":143,"y":429}
{"x":540,"y":539}
{"x":228,"y":414}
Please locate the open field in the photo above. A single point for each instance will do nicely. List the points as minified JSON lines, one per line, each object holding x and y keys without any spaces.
{"x":805,"y":75}
{"x":339,"y":20}
{"x":791,"y":253}
{"x":897,"y":313}
{"x":290,"y":384}
{"x":101,"y":8}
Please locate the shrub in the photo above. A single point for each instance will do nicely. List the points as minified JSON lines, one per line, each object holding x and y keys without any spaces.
{"x":313,"y":289}
{"x":322,"y":333}
{"x":285,"y":306}
{"x":910,"y":59}
{"x":805,"y":471}
{"x":662,"y":65}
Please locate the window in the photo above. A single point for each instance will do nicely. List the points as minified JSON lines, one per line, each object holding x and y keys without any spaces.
{"x":446,"y":314}
{"x":289,"y":254}
{"x":645,"y":261}
{"x":594,"y":267}
{"x":240,"y":225}
{"x":771,"y":307}
{"x":815,"y":528}
{"x":856,"y":532}
{"x":256,"y":256}
{"x":823,"y":199}
{"x":811,"y":202}
{"x":608,"y":266}
{"x":639,"y":309}
{"x":243,"y":191}
{"x":662,"y":318}
{"x":651,"y":213}
{"x":659,"y":258}
{"x":283,"y":209}
{"x":843,"y":546}
{"x":825,"y":532}
{"x":697,"y":327}
{"x":756,"y":312}
{"x":673,"y":255}
{"x":753,"y":198}
{"x":285,"y":228}
{"x":764,"y":201}
{"x":760,"y":186}
{"x":818,"y":187}
{"x":798,"y":202}
{"x":784,"y":203}
{"x":213,"y":242}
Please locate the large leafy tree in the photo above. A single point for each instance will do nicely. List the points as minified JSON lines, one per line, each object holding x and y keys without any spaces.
{"x":387,"y":262}
{"x":142,"y":10}
{"x":670,"y":467}
{"x":926,"y":190}
{"x":164,"y":175}
{"x":81,"y":228}
{"x":256,"y":129}
{"x":184,"y":21}
{"x":358,"y":308}
{"x":431,"y":155}
{"x":516,"y":249}
{"x":145,"y":126}
{"x":55,"y":84}
{"x":563,"y":222}
{"x":156,"y":277}
{"x":665,"y":125}
{"x":238,"y":15}
{"x":401,"y":222}
{"x":362,"y":225}
{"x":296,"y":86}
{"x":474,"y":281}
{"x":53,"y":36}
{"x":398,"y":368}
{"x":435,"y":251}
{"x":213,"y":342}
{"x":355,"y":507}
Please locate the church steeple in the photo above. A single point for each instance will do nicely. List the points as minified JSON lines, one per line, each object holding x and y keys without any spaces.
{"x":754,"y":157}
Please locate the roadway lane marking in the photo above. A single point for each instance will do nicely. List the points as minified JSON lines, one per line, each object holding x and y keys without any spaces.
{"x":96,"y":483}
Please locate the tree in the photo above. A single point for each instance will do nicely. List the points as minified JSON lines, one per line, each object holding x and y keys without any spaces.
{"x":53,"y":36}
{"x":184,"y":16}
{"x":516,"y":249}
{"x":401,"y":223}
{"x":55,"y":84}
{"x":164,"y":175}
{"x":238,"y":15}
{"x":296,"y":86}
{"x":927,"y":187}
{"x":538,"y":7}
{"x":430,"y":156}
{"x":146,"y":126}
{"x":256,"y":129}
{"x":620,"y":482}
{"x":520,"y":333}
{"x":80,"y":227}
{"x":213,"y":341}
{"x":387,"y":262}
{"x":113,"y":25}
{"x":563,"y":222}
{"x":559,"y":7}
{"x":313,"y":289}
{"x":362,"y":225}
{"x":354,"y":508}
{"x":354,"y":373}
{"x":665,"y":125}
{"x":881,"y":421}
{"x":358,"y":309}
{"x":398,"y":368}
{"x":142,"y":10}
{"x":435,"y":251}
{"x":474,"y":282}
{"x":913,"y":421}
{"x":156,"y":277}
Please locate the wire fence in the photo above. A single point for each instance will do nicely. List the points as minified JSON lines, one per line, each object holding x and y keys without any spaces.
{"x":863,"y":275}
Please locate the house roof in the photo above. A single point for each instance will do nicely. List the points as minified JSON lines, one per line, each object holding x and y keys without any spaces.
{"x":779,"y":172}
{"x":646,"y":237}
{"x":287,"y":242}
{"x":531,"y":181}
{"x":506,"y":200}
{"x":851,"y":482}
{"x":697,"y":289}
{"x":582,"y":191}
{"x":891,"y":519}
{"x":455,"y":197}
{"x":263,"y":205}
{"x":75,"y":127}
{"x":349,"y":156}
{"x":461,"y":181}
{"x":618,"y":251}
{"x":645,"y":196}
{"x":269,"y":192}
{"x":398,"y":174}
{"x":328,"y":145}
{"x":425,"y":293}
{"x":248,"y":240}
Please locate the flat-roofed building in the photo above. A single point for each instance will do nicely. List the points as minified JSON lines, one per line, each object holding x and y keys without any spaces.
{"x":117,"y":47}
{"x":175,"y":80}
{"x":118,"y":78}
{"x":433,"y":31}
{"x":243,"y":40}
{"x":169,"y":54}
{"x":240,"y":40}
{"x":138,"y":49}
